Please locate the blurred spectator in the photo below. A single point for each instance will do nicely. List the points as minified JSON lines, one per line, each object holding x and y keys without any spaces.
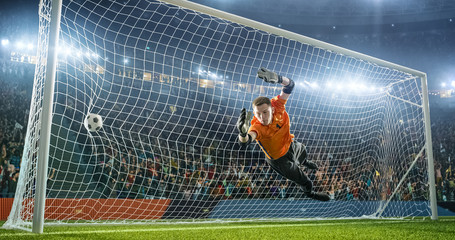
{"x":12,"y":184}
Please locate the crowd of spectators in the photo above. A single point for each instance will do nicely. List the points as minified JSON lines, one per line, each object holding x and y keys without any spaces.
{"x":16,"y":80}
{"x":15,"y":94}
{"x":443,"y":134}
{"x":212,"y":174}
{"x":178,"y":170}
{"x":167,"y":169}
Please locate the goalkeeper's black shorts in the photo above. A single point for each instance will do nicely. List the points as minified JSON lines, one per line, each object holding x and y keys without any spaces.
{"x":288,"y":166}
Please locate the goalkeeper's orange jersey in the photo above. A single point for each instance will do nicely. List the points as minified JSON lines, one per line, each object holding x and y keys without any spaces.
{"x":275,"y":138}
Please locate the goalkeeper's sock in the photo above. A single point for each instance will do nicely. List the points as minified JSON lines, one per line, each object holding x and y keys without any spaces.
{"x":319,"y":196}
{"x":310,"y":165}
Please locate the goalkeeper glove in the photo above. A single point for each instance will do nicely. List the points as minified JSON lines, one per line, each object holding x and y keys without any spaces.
{"x":243,"y":124}
{"x":269,"y":76}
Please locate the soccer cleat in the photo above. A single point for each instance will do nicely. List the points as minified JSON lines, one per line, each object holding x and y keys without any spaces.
{"x":310,"y":165}
{"x":319,"y":196}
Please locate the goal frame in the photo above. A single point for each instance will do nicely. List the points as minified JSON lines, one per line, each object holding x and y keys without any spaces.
{"x":46,"y":118}
{"x":46,"y":114}
{"x":314,"y":42}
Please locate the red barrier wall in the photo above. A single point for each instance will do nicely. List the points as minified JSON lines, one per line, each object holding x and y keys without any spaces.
{"x":5,"y":208}
{"x":95,"y":209}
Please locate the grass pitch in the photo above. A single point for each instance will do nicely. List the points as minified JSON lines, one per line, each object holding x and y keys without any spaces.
{"x":444,"y":228}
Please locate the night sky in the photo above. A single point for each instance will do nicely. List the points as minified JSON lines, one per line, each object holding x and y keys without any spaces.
{"x":425,"y":45}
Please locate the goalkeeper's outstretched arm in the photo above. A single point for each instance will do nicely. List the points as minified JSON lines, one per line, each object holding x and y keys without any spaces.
{"x":271,"y":77}
{"x":243,"y":125}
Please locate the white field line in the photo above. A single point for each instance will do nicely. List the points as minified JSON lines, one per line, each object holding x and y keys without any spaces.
{"x":219,"y":227}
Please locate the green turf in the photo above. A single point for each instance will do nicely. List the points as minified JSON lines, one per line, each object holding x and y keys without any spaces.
{"x":323,"y":229}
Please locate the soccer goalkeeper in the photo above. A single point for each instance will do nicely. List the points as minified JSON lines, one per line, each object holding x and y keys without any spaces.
{"x":270,"y":128}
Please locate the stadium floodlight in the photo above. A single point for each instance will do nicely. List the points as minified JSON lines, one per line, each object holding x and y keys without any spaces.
{"x":67,"y":51}
{"x":338,"y":87}
{"x":443,"y":84}
{"x":20,"y":45}
{"x":64,"y":50}
{"x":5,"y":42}
{"x":453,"y":83}
{"x":60,"y":49}
{"x":313,"y":84}
{"x":167,"y":146}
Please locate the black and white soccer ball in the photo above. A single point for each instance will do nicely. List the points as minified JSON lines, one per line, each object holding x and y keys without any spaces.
{"x":93,"y":122}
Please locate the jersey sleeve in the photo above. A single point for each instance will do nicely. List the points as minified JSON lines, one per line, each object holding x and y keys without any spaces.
{"x":255,"y":128}
{"x":279,"y":103}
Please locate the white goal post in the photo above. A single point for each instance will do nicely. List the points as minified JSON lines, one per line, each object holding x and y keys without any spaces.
{"x":169,"y":79}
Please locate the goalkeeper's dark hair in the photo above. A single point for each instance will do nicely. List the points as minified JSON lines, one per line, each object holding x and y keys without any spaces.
{"x":262,"y":100}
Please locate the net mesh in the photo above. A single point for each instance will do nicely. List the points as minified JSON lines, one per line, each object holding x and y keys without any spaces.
{"x":169,"y":84}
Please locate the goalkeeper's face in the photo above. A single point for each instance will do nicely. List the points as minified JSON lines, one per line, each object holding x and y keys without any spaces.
{"x":264,"y":113}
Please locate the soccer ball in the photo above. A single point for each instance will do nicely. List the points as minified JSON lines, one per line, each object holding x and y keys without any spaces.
{"x":93,"y":122}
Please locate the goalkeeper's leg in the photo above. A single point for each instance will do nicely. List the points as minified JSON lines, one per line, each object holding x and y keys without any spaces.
{"x":290,"y":169}
{"x":298,"y":151}
{"x":294,"y":173}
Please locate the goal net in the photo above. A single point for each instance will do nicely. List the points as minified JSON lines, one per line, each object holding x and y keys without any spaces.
{"x":169,"y":83}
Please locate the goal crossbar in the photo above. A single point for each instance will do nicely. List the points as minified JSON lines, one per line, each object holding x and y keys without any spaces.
{"x":290,"y":35}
